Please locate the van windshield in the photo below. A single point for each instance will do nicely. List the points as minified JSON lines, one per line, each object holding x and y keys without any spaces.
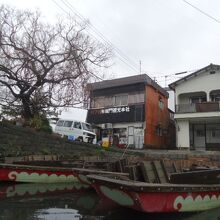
{"x":87,"y":127}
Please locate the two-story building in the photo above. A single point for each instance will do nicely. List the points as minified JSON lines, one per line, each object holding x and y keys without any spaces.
{"x":197,"y":112}
{"x":131,"y":110}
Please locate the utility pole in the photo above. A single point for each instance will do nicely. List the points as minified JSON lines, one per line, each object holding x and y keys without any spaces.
{"x":165,"y":80}
{"x":140,"y":66}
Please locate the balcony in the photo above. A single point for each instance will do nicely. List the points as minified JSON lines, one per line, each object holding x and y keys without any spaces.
{"x":198,"y":107}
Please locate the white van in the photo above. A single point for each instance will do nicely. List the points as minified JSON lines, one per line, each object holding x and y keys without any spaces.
{"x":76,"y":130}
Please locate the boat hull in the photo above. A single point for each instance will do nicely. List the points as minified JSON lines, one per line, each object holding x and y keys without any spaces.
{"x":43,"y":174}
{"x":30,"y":174}
{"x":154,"y":201}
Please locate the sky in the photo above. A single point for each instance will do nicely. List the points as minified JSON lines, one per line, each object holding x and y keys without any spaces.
{"x":166,"y":37}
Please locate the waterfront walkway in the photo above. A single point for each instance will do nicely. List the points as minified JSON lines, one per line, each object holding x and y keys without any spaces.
{"x":177,"y":154}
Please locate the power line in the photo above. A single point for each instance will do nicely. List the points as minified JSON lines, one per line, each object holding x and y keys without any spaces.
{"x":59,"y":6}
{"x":90,"y":33}
{"x":173,"y":74}
{"x":104,"y":38}
{"x":124,"y":58}
{"x":203,"y":12}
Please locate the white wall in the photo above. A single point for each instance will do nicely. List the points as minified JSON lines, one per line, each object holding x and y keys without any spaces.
{"x":182,"y":133}
{"x":171,"y":100}
{"x":203,"y":82}
{"x":198,"y":115}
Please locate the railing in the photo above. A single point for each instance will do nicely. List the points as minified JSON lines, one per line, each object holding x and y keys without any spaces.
{"x":198,"y":107}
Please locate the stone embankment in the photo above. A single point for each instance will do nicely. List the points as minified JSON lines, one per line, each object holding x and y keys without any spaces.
{"x":18,"y":141}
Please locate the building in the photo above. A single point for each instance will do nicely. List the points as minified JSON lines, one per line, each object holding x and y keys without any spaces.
{"x":131,"y":110}
{"x":197,"y":112}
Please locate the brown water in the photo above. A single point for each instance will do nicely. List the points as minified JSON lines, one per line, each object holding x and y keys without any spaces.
{"x":72,"y":202}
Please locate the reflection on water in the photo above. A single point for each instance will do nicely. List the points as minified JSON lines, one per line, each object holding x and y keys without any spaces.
{"x":58,"y":213}
{"x":68,"y":201}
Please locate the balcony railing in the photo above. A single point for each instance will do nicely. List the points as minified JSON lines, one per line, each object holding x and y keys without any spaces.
{"x":198,"y":107}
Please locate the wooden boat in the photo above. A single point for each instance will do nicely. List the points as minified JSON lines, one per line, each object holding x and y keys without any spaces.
{"x":43,"y":174}
{"x":148,"y":197}
{"x":158,"y":194}
{"x":36,"y":174}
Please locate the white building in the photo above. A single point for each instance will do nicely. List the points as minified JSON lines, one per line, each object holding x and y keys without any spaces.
{"x":197,"y":109}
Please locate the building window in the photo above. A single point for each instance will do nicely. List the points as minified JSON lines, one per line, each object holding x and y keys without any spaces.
{"x":121,"y":100}
{"x":136,"y":98}
{"x":213,"y":134}
{"x":198,"y":99}
{"x":117,"y":100}
{"x":215,"y":98}
{"x":161,"y":104}
{"x":200,"y":133}
{"x":98,"y":102}
{"x":159,"y":131}
{"x":109,"y":101}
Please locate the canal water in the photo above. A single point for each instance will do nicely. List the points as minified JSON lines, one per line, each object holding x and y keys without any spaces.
{"x":73,"y":202}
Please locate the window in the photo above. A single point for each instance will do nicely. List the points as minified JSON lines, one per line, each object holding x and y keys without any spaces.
{"x":159,"y":131}
{"x":200,"y":133}
{"x":213,"y":134}
{"x":136,"y":98}
{"x":139,"y":113}
{"x":161,"y":104}
{"x":121,"y":100}
{"x":67,"y":124}
{"x":109,"y":101}
{"x":215,"y":98}
{"x":87,"y":127}
{"x":98,"y":102}
{"x":60,"y":123}
{"x":198,"y":99}
{"x":77,"y":125}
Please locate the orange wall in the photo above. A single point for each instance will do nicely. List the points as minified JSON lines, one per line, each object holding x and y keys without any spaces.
{"x":155,"y":116}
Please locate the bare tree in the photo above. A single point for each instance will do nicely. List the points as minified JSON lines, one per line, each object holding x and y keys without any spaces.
{"x":44,"y":65}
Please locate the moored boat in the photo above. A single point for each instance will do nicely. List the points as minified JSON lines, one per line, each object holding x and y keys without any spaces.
{"x":153,"y":186}
{"x":44,"y":174}
{"x":36,"y":174}
{"x":158,"y":197}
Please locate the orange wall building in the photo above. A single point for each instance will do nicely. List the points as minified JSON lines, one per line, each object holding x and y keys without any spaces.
{"x":158,"y":120}
{"x":132,"y":111}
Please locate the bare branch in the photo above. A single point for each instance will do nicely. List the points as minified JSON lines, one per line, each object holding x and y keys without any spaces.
{"x":45,"y":65}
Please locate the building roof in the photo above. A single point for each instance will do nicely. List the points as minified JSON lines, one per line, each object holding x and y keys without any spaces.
{"x":130,"y":80}
{"x":211,"y":67}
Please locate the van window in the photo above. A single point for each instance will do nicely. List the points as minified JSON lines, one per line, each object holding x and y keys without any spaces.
{"x":67,"y":124}
{"x":87,"y":127}
{"x":60,"y":123}
{"x":77,"y":125}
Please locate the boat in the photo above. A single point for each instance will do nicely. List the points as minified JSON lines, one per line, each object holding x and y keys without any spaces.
{"x":36,"y":174}
{"x":45,"y":174}
{"x":158,"y":194}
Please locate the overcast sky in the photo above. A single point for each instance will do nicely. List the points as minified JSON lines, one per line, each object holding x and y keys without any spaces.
{"x":168,"y":36}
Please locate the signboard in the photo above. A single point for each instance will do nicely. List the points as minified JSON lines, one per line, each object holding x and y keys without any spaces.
{"x":133,"y":113}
